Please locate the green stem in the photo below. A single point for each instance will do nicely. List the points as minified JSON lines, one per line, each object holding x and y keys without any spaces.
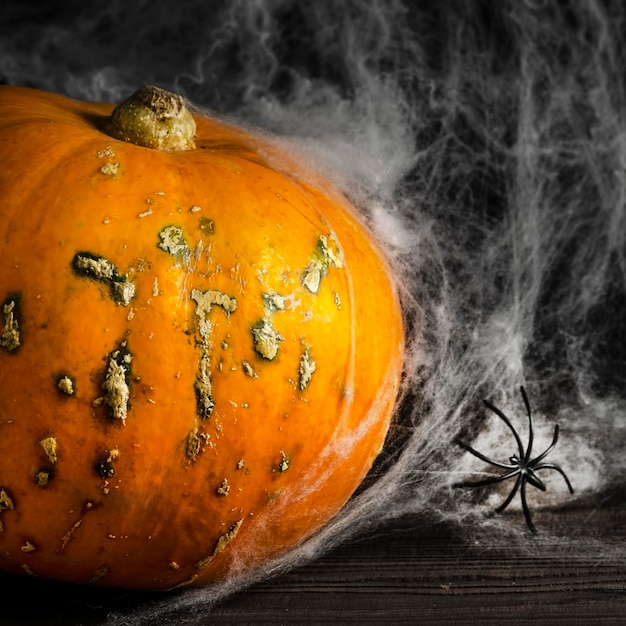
{"x":154,"y":118}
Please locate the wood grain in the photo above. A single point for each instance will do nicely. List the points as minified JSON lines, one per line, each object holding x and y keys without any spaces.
{"x":414,"y":573}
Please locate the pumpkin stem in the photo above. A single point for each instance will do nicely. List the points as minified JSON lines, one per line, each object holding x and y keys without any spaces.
{"x":154,"y":118}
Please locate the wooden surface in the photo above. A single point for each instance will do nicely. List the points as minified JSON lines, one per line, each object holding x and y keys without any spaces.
{"x":413,"y":573}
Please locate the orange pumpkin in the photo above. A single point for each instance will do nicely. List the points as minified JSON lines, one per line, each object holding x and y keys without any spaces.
{"x":200,"y":344}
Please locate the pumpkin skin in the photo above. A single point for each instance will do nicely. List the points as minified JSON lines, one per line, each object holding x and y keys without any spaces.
{"x":200,"y":350}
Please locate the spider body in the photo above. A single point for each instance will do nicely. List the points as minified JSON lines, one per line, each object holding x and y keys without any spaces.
{"x":521,"y":466}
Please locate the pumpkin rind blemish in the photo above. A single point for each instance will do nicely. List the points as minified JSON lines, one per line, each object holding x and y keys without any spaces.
{"x":42,"y":477}
{"x":66,"y":385}
{"x":122,"y":291}
{"x":195,"y":443}
{"x":110,"y":169}
{"x":99,"y":269}
{"x":94,"y":267}
{"x":88,"y":506}
{"x":224,"y":488}
{"x":337,"y":300}
{"x":222,"y":543}
{"x":69,"y":534}
{"x":207,"y":226}
{"x":99,"y":573}
{"x":49,"y":444}
{"x":6,"y":504}
{"x":28,"y":547}
{"x":274,"y":302}
{"x":312,"y":275}
{"x":106,"y":153}
{"x":306,"y":369}
{"x":248,"y":370}
{"x":323,"y":258}
{"x":204,"y":303}
{"x":172,"y":241}
{"x":104,"y":464}
{"x":10,"y":336}
{"x":266,"y":339}
{"x":203,"y":389}
{"x":115,"y":383}
{"x":330,"y":257}
{"x":205,"y":299}
{"x":284,"y":463}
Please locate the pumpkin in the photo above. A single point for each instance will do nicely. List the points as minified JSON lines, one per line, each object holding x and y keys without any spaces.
{"x":200,"y":344}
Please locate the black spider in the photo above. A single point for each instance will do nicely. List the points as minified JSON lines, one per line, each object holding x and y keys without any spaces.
{"x":520,"y":465}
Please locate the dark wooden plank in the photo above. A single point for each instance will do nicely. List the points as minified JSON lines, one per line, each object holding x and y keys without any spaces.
{"x":413,"y":573}
{"x":426,"y":575}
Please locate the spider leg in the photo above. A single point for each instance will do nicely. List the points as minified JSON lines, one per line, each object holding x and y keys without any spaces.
{"x":556,"y":468}
{"x":531,"y":432}
{"x":506,"y":420}
{"x":487,"y":481}
{"x":482,"y":457}
{"x":545,"y":453}
{"x":518,"y":482}
{"x":527,"y":516}
{"x":533,"y":479}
